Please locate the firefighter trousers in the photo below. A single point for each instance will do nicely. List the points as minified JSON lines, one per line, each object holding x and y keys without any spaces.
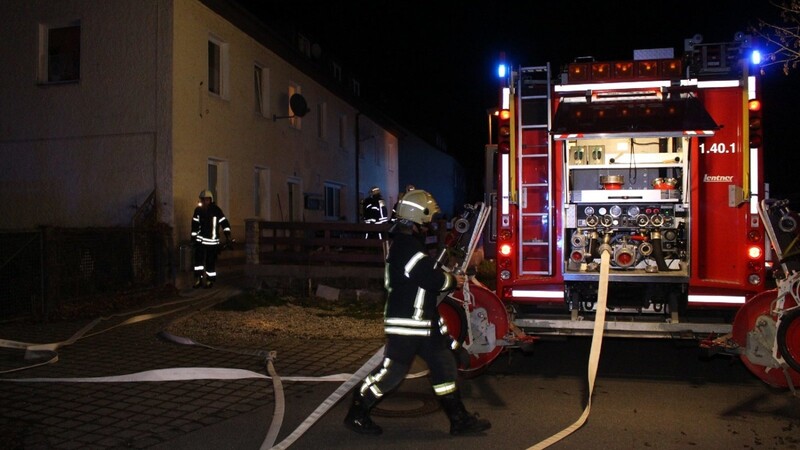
{"x":205,"y":260}
{"x":398,"y":357}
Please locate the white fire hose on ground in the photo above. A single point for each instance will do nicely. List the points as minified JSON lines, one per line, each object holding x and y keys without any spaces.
{"x":197,"y":303}
{"x":594,"y":353}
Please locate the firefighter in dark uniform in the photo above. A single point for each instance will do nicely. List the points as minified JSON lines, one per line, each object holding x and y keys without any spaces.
{"x":207,"y":221}
{"x":412,"y":324}
{"x":373,"y":210}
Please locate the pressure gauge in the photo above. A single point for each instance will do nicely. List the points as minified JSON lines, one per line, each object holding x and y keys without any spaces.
{"x":588,"y":211}
{"x":615,"y":211}
{"x":633,"y":211}
{"x":602,"y":210}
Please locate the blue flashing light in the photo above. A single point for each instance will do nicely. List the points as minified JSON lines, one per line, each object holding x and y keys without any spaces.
{"x":501,"y":71}
{"x":755,"y":57}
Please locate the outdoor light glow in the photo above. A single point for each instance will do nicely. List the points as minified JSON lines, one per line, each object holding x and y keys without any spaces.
{"x":501,"y":71}
{"x":755,"y":57}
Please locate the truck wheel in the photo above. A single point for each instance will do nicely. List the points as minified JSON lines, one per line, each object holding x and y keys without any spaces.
{"x":789,"y":338}
{"x":745,"y":321}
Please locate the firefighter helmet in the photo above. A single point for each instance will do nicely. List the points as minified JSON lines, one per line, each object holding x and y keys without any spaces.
{"x":206,"y":193}
{"x":375,"y":190}
{"x":417,"y":206}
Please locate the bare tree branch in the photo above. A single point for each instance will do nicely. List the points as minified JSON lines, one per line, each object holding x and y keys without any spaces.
{"x":784,"y":38}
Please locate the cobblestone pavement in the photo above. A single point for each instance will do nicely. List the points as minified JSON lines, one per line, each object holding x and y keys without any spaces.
{"x":69,"y":415}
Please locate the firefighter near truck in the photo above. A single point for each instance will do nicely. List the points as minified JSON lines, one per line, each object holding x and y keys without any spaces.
{"x":632,"y":192}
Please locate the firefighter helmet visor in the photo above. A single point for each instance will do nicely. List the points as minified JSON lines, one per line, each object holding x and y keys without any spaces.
{"x":206,"y":193}
{"x":417,"y":206}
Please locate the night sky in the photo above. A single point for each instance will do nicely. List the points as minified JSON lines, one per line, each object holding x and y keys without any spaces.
{"x":431,"y":64}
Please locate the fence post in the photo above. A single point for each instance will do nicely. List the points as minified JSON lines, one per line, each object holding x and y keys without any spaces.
{"x":252,"y":238}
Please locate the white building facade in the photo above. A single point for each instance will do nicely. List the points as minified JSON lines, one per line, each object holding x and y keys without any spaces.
{"x":105,"y":102}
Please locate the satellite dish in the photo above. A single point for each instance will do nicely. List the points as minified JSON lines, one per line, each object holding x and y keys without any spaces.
{"x":298,"y":105}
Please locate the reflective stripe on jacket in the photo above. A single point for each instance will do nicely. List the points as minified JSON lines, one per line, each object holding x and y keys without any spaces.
{"x":207,"y":223}
{"x":413,"y":283}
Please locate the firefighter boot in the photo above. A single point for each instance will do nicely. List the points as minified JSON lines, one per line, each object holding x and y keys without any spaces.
{"x":358,"y":419}
{"x":198,"y":281}
{"x":462,"y":422}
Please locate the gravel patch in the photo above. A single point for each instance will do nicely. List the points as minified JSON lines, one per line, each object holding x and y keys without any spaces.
{"x":254,"y":327}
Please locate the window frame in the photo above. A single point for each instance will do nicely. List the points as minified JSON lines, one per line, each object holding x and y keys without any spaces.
{"x":294,"y":121}
{"x":45,"y":65}
{"x":261,"y":89}
{"x":220,"y":187}
{"x":221,"y":86}
{"x":333,"y":194}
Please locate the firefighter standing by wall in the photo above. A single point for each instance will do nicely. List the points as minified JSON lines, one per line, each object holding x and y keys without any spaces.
{"x":373,"y":210}
{"x":207,"y":220}
{"x":412,"y":324}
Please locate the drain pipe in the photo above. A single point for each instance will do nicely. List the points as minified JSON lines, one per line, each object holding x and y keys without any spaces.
{"x":358,"y":172}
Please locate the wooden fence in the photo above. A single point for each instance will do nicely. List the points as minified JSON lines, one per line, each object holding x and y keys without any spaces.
{"x":315,"y":250}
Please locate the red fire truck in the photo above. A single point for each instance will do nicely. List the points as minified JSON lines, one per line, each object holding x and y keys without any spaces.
{"x":657,"y":161}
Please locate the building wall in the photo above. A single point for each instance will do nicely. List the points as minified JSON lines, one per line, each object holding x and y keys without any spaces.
{"x":378,"y":156}
{"x":433,"y":170}
{"x":140,"y":118}
{"x":81,"y":153}
{"x":229,"y":128}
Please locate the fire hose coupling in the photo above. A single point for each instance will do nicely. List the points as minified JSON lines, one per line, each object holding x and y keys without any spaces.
{"x":578,"y":240}
{"x":625,"y":256}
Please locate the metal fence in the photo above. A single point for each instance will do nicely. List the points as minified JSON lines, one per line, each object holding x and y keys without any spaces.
{"x":47,"y":270}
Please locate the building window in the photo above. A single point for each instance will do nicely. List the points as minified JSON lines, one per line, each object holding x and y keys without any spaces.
{"x":217,"y":67}
{"x":294,"y":121}
{"x":261,"y":193}
{"x":60,"y":53}
{"x":322,"y":120}
{"x":333,"y":201}
{"x":356,"y":88}
{"x":218,"y":182}
{"x":261,"y":89}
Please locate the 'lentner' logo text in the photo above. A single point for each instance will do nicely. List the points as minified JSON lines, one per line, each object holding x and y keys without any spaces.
{"x":717,"y":178}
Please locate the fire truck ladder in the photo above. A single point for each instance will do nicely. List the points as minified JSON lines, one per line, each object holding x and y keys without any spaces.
{"x":534,"y":172}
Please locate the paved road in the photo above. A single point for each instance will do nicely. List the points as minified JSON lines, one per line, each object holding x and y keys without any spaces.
{"x":649,"y":394}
